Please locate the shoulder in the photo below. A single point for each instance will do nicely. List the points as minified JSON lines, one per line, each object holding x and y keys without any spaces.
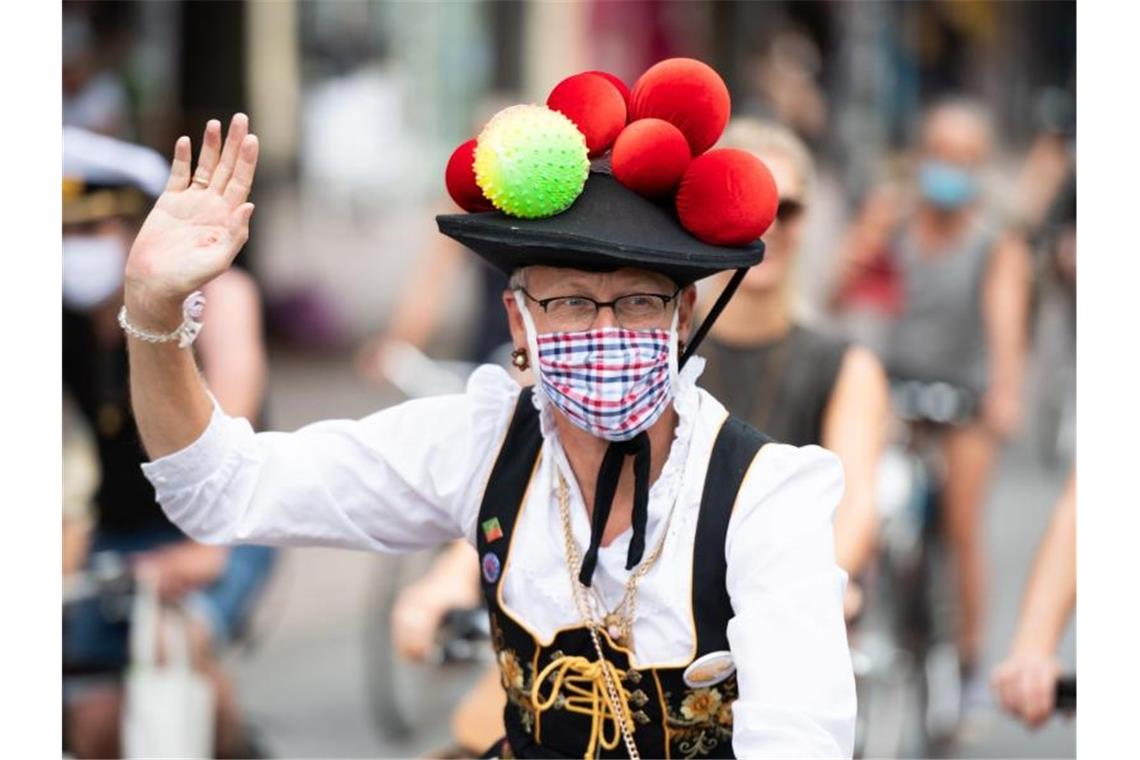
{"x":784,"y":482}
{"x":860,"y":369}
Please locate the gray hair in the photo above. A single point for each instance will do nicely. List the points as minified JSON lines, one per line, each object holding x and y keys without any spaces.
{"x":518,"y":279}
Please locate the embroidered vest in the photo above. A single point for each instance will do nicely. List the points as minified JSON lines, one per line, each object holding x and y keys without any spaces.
{"x":671,"y":719}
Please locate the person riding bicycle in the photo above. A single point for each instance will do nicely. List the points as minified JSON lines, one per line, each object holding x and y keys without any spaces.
{"x":959,"y":290}
{"x":108,"y":187}
{"x":798,"y":385}
{"x":1026,"y":680}
{"x":696,"y":607}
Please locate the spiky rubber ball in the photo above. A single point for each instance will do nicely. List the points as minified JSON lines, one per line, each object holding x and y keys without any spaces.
{"x":531,"y":162}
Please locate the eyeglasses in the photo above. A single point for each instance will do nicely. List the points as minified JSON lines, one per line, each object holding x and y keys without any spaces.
{"x":788,"y":210}
{"x":635,"y":311}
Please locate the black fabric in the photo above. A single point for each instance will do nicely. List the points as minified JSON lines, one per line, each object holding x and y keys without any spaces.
{"x":662,"y":727}
{"x":721,"y":301}
{"x":804,"y":367}
{"x":736,"y":446}
{"x":608,"y":475}
{"x":97,"y":378}
{"x":607,"y":227}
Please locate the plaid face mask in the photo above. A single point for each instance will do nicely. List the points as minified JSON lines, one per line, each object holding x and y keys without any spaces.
{"x":611,"y":382}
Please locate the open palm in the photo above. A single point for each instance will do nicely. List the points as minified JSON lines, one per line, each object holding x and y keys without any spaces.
{"x":197,"y":227}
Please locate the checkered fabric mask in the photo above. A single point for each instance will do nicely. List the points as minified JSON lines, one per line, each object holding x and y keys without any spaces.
{"x":611,"y":382}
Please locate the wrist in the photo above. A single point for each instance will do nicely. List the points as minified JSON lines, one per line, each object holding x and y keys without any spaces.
{"x":150,"y":311}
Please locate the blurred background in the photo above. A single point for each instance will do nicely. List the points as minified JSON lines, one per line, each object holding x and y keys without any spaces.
{"x":358,"y":105}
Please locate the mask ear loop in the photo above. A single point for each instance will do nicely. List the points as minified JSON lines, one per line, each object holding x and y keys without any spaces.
{"x":531,"y":333}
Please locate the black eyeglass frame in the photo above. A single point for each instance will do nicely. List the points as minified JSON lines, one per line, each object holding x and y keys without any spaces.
{"x":544,"y":303}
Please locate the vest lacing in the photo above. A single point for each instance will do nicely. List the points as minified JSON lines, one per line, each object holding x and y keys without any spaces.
{"x":584,"y":682}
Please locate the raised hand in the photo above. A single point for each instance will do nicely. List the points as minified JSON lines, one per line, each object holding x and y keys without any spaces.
{"x":198,"y":224}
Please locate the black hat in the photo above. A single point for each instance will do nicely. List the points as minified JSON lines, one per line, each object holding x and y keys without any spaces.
{"x":608,"y":227}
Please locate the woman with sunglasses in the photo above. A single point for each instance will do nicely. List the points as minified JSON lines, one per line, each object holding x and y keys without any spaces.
{"x":798,"y":385}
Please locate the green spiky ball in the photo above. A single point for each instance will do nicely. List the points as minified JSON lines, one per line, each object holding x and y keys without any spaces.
{"x":531,"y":162}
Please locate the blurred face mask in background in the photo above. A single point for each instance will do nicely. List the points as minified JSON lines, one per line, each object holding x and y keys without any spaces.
{"x":946,"y":185}
{"x":92,"y":269}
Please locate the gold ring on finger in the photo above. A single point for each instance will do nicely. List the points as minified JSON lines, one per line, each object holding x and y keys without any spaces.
{"x":201,"y":180}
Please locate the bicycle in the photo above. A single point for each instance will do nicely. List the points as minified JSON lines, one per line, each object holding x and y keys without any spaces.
{"x":905,"y":653}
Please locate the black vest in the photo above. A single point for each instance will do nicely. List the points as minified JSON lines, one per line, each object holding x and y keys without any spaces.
{"x":671,"y":718}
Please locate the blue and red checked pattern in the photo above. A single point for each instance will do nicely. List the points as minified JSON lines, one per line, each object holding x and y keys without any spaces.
{"x":611,"y":382}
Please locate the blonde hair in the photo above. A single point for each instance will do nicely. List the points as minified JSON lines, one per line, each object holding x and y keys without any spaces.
{"x":759,"y":136}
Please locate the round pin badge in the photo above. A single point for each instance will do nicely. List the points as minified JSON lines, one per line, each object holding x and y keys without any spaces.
{"x":491,"y":567}
{"x":711,"y":669}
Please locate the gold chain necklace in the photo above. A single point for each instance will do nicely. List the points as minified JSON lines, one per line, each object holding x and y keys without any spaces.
{"x":618,"y":622}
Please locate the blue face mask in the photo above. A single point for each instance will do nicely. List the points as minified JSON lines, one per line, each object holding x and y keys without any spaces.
{"x":945,"y":185}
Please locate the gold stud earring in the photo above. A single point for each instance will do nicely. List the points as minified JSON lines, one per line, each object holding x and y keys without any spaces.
{"x":520,"y":359}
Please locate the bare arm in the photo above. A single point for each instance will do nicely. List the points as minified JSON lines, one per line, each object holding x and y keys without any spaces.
{"x":1025,"y":681}
{"x":855,"y":427}
{"x":1005,"y":306}
{"x":190,"y":237}
{"x":233,"y":353}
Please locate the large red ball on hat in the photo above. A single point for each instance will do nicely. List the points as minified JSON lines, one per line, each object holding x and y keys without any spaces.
{"x":650,"y":156}
{"x":460,"y":179}
{"x":727,"y":197}
{"x":594,"y":104}
{"x":687,"y":93}
{"x":622,"y":87}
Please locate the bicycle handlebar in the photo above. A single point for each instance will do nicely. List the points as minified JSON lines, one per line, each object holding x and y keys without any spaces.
{"x":1066,"y":693}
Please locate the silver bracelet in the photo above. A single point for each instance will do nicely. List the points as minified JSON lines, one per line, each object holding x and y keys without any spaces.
{"x":186,"y":333}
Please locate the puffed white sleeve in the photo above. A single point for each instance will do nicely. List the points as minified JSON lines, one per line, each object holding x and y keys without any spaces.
{"x":405,"y":478}
{"x":788,"y":638}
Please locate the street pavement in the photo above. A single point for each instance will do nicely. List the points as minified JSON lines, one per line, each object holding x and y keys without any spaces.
{"x":303,"y":680}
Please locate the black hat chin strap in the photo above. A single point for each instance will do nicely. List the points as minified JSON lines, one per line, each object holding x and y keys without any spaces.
{"x":721,"y":301}
{"x":608,"y":475}
{"x":638,"y":448}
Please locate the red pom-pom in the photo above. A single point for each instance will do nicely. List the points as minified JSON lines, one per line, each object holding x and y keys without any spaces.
{"x":594,"y":104}
{"x":727,"y":197}
{"x":622,"y":87}
{"x":460,"y":179}
{"x":650,"y":156}
{"x":688,"y":94}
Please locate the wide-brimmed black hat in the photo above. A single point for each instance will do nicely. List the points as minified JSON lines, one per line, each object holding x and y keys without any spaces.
{"x":608,"y":227}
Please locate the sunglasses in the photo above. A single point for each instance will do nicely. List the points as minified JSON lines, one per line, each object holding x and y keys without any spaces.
{"x":788,"y":210}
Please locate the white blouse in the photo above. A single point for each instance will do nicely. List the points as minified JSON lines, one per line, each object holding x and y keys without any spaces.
{"x":412,"y":476}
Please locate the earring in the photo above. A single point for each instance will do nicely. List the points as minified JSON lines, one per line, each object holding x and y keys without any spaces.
{"x":520,"y":359}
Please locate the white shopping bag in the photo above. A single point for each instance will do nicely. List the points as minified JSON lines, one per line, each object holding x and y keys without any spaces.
{"x":169,"y":710}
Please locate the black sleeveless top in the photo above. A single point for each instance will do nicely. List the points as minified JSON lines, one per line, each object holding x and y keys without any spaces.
{"x":98,"y":378}
{"x":671,"y":719}
{"x":782,"y":387}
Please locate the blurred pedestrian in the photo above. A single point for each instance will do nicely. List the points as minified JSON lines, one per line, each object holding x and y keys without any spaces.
{"x":796,"y":384}
{"x":108,"y":188}
{"x":1026,"y":680}
{"x":957,"y":286}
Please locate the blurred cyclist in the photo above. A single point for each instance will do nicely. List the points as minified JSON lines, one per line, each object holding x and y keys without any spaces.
{"x":108,"y":188}
{"x":797,"y":385}
{"x":1026,"y":680}
{"x":961,"y":298}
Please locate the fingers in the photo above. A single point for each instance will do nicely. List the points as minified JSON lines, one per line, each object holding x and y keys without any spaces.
{"x":237,"y":190}
{"x":180,"y":167}
{"x":238,"y":225}
{"x":239,"y":128}
{"x":208,"y":156}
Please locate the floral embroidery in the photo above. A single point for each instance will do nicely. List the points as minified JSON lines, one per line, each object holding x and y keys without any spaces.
{"x":511,"y":670}
{"x":724,"y":714}
{"x":701,"y":704}
{"x":702,"y":720}
{"x":516,"y":682}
